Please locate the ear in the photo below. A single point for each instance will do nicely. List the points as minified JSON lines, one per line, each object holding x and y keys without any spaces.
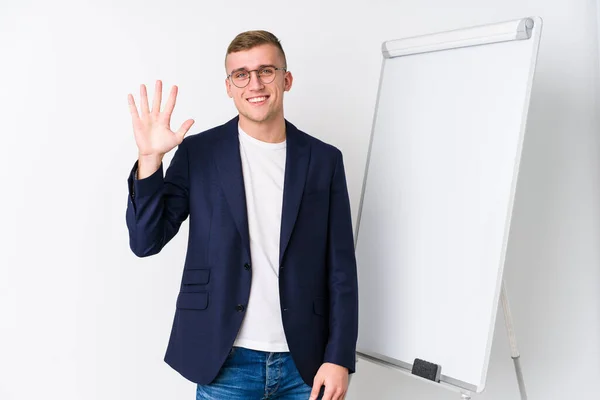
{"x":287,"y":81}
{"x":228,"y":87}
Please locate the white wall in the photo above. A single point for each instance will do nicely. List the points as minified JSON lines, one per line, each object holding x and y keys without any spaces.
{"x":83,"y":318}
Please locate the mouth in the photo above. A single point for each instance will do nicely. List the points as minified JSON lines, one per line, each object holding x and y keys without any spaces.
{"x":257,"y":100}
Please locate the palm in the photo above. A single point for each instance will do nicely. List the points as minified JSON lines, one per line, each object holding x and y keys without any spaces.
{"x":151,"y":128}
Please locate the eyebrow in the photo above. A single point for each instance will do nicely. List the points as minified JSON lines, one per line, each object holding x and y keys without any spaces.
{"x":259,"y":67}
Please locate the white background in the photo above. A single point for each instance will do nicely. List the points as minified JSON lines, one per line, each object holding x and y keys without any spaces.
{"x":83,"y":318}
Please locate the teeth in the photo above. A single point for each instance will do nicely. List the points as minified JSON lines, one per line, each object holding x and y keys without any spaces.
{"x":257,"y":99}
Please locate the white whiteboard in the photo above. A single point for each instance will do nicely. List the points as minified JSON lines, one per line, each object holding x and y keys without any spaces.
{"x":437,"y":198}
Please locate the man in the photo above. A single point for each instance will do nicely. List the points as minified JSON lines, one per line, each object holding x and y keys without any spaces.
{"x":268,"y":303}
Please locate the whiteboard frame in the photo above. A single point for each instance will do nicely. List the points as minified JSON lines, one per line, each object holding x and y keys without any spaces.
{"x":528,"y":28}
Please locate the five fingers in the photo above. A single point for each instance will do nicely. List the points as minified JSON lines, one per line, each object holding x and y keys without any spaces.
{"x":167,"y":111}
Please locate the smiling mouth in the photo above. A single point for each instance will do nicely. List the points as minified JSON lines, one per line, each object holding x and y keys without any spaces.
{"x":257,"y":100}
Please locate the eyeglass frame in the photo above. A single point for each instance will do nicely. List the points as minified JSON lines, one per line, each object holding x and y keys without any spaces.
{"x":230,"y":77}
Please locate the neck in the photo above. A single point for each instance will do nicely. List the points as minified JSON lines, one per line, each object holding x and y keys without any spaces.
{"x":272,"y":131}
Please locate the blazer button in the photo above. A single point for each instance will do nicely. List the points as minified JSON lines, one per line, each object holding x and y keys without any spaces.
{"x":247,"y":267}
{"x":239,"y":308}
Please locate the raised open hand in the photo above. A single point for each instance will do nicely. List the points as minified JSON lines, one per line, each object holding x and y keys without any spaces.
{"x":152,"y":130}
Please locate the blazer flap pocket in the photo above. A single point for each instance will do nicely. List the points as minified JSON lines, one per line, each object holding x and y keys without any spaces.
{"x":320,"y":306}
{"x":196,"y":276}
{"x":192,"y":301}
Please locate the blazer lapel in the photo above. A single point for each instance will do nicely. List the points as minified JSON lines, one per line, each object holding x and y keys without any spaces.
{"x":229,"y":166}
{"x":296,"y":167}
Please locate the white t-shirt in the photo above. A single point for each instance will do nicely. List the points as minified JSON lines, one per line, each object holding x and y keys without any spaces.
{"x":263,"y":167}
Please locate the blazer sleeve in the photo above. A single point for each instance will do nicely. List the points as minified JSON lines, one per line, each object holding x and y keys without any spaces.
{"x":157,"y":206}
{"x":343,"y":284}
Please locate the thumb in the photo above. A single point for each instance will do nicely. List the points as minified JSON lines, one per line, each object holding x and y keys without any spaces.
{"x":317,"y":383}
{"x":185,"y":127}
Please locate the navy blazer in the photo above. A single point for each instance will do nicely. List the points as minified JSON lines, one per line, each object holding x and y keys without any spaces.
{"x":317,"y":277}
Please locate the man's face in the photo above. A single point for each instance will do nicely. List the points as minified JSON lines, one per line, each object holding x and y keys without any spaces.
{"x":258,"y":102}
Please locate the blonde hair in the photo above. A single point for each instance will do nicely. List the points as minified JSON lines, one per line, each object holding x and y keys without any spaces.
{"x":250,"y":39}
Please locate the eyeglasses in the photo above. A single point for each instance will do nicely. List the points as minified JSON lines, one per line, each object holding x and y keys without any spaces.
{"x":266,"y":75}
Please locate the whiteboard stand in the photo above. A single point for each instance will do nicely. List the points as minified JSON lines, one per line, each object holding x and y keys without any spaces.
{"x":514,"y":350}
{"x":477,"y":83}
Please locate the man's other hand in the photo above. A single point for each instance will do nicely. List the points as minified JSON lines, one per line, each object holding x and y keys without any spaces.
{"x":335,"y":379}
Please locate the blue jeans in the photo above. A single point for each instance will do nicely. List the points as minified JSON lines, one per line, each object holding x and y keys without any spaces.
{"x":256,"y":375}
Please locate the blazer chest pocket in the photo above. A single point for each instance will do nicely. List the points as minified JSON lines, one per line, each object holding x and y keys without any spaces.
{"x":192,"y":301}
{"x":195,"y":280}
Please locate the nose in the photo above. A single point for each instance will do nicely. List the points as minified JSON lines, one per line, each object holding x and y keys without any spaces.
{"x":255,"y":82}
